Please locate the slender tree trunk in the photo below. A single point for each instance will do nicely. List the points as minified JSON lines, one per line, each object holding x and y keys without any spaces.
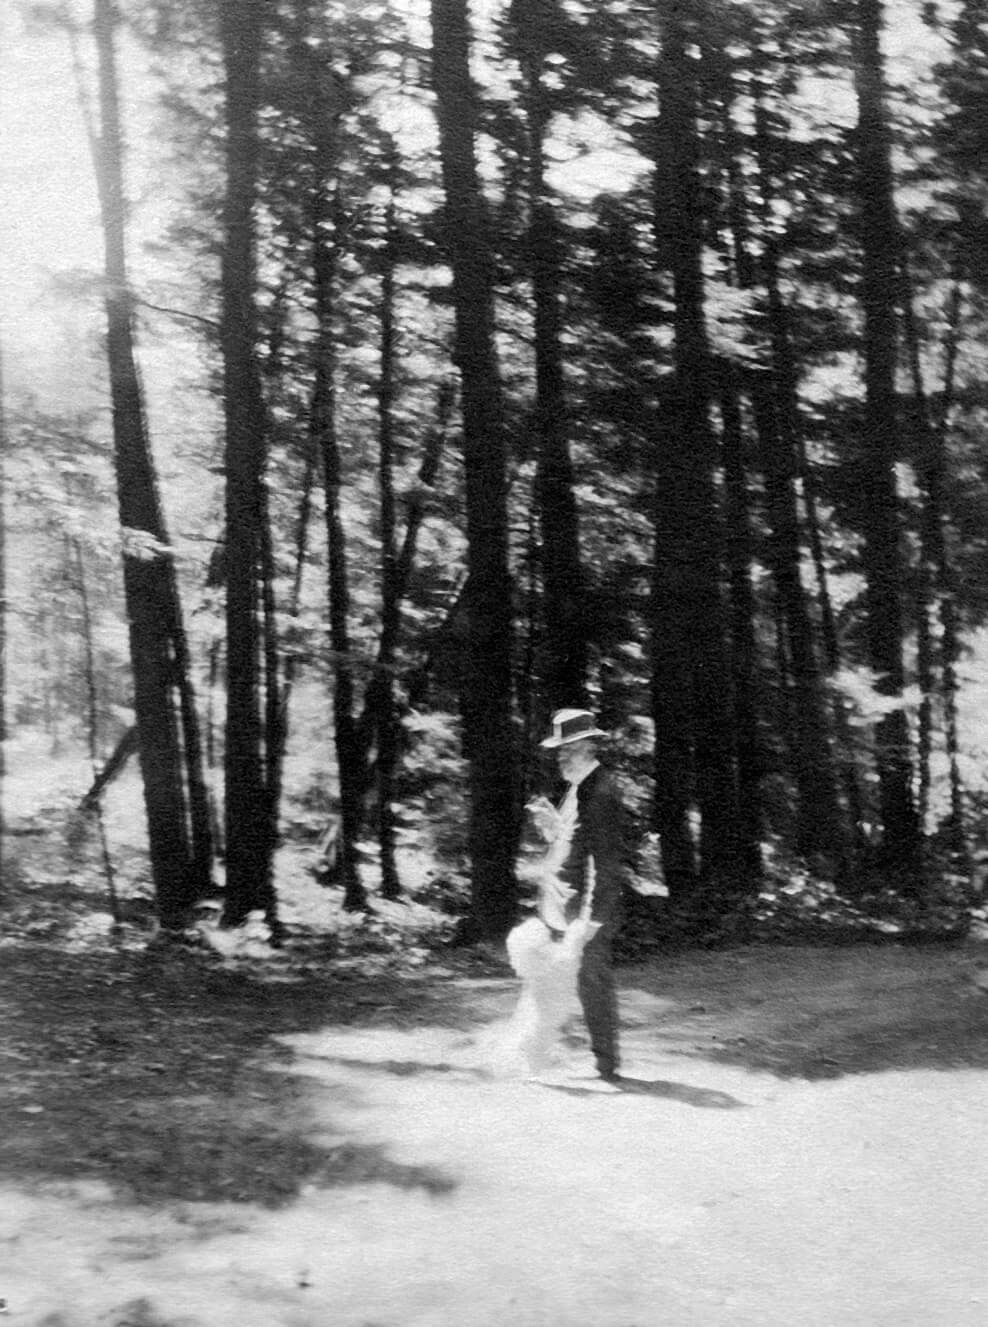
{"x":821,"y":832}
{"x":326,"y":93}
{"x":561,"y":660}
{"x":415,"y":506}
{"x":278,"y":730}
{"x":3,"y":625}
{"x":950,"y":646}
{"x":200,"y":817}
{"x":688,"y":553}
{"x":880,"y":249}
{"x":387,"y":720}
{"x":112,"y":766}
{"x":272,"y":709}
{"x":487,"y":688}
{"x":744,"y":654}
{"x":148,"y":580}
{"x":669,"y":653}
{"x":937,"y":578}
{"x":849,"y":782}
{"x":350,"y":766}
{"x":246,"y":820}
{"x":92,"y":725}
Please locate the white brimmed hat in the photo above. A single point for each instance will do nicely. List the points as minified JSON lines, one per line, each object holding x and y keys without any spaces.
{"x":572,"y":726}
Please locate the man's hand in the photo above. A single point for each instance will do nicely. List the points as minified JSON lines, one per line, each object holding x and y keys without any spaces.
{"x":545,"y":817}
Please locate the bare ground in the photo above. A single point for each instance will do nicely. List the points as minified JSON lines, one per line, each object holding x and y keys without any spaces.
{"x":797,"y":1141}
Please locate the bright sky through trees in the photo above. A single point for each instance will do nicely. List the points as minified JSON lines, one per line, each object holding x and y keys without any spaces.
{"x":48,"y":205}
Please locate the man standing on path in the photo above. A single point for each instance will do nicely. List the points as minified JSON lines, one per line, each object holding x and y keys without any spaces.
{"x":586,"y":854}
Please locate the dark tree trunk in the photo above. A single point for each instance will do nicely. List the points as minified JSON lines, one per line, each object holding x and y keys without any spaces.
{"x":388,"y":745}
{"x":246,"y":818}
{"x":368,"y":723}
{"x":326,"y":92}
{"x":149,"y":587}
{"x":880,"y":504}
{"x":937,"y":579}
{"x":279,"y":721}
{"x":272,"y":710}
{"x":112,"y":766}
{"x":200,"y":816}
{"x":348,"y":757}
{"x":744,"y":653}
{"x":950,"y":646}
{"x":3,"y":625}
{"x":92,"y":724}
{"x":487,"y":686}
{"x":687,"y":580}
{"x":669,"y":654}
{"x":821,"y":832}
{"x":561,"y":659}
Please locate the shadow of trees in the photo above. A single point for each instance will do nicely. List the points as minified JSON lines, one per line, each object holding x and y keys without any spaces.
{"x":153,"y":1073}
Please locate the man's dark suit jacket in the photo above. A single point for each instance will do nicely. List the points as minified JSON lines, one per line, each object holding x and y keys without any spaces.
{"x":599,"y":832}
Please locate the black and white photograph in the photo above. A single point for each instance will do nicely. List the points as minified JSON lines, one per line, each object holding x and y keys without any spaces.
{"x":493,"y":663}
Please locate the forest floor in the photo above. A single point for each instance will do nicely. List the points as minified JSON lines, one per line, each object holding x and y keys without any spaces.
{"x":193,"y":1142}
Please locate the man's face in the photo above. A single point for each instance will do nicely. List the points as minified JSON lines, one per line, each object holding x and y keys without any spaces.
{"x":573,"y":758}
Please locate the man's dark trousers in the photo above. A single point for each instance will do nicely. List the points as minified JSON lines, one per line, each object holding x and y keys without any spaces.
{"x":599,"y":999}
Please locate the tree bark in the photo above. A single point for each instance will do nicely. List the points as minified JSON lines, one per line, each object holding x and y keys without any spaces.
{"x":277,"y":740}
{"x":744,"y":654}
{"x":149,"y":587}
{"x":246,"y":818}
{"x":92,"y":722}
{"x":561,"y":659}
{"x":688,"y":599}
{"x":487,"y":686}
{"x":325,"y":218}
{"x":821,"y":831}
{"x":938,"y":587}
{"x":387,"y":724}
{"x":880,"y":439}
{"x":3,"y":624}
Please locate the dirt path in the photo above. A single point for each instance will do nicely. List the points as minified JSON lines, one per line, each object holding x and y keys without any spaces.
{"x":799,"y":1143}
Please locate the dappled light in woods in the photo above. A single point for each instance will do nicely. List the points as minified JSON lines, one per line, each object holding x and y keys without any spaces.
{"x":380,"y":381}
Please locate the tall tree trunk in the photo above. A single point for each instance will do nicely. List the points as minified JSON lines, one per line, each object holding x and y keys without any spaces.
{"x":937,"y":578}
{"x":487,"y":685}
{"x":149,"y":586}
{"x":387,"y":719}
{"x":687,"y":578}
{"x":880,"y":248}
{"x":950,"y":646}
{"x":561,"y":659}
{"x":3,"y":624}
{"x":92,"y":723}
{"x":669,"y":657}
{"x":744,"y":652}
{"x":278,"y":731}
{"x":369,"y":720}
{"x":246,"y":819}
{"x":201,"y":834}
{"x":821,"y":833}
{"x":326,"y":100}
{"x":272,"y":711}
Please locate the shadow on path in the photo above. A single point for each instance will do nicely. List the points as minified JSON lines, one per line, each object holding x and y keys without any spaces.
{"x":402,"y":1068}
{"x":708,"y":1098}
